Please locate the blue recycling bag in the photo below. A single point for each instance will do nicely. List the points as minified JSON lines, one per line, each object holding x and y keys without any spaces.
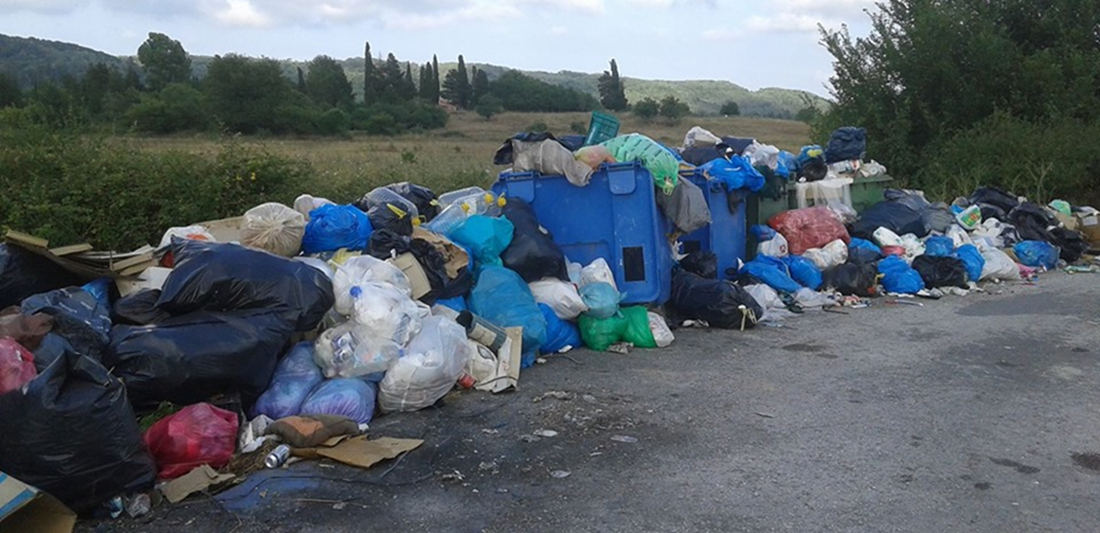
{"x":291,"y":383}
{"x":559,"y":333}
{"x":332,"y":227}
{"x":485,"y":238}
{"x":503,"y":298}
{"x":1037,"y":254}
{"x":898,"y":277}
{"x":973,"y":259}
{"x":804,"y":271}
{"x":771,"y":271}
{"x":737,"y":172}
{"x":939,"y":246}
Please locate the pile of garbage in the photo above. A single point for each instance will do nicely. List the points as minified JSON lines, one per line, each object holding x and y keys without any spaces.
{"x":284,"y":332}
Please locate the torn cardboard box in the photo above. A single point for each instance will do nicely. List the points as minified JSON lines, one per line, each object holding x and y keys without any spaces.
{"x":25,"y":509}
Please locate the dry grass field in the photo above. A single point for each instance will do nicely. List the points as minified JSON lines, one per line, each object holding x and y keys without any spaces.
{"x":460,"y":154}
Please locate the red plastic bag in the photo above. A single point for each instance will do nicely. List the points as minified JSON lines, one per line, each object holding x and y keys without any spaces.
{"x":198,"y":434}
{"x":16,"y":365}
{"x":813,"y":227}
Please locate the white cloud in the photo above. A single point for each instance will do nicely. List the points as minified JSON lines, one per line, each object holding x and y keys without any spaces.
{"x":784,"y":23}
{"x":804,"y":16}
{"x":241,"y":13}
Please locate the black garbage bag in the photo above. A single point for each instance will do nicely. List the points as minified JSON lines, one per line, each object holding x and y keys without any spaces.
{"x":426,"y":202}
{"x":390,"y":217}
{"x":894,"y":216}
{"x":52,"y":348}
{"x":1033,"y":222}
{"x":686,"y":207}
{"x":814,"y":170}
{"x":532,"y":254}
{"x":73,"y":434}
{"x":996,"y":197}
{"x":1071,"y":244}
{"x":846,"y":144}
{"x":938,"y":217}
{"x":991,"y":211}
{"x":77,"y":316}
{"x":861,"y":255}
{"x":434,"y":264}
{"x":24,"y":274}
{"x":910,"y":199}
{"x":715,"y":301}
{"x":138,"y":309}
{"x":854,"y":279}
{"x":701,"y":155}
{"x":385,"y":244}
{"x":702,"y":264}
{"x":190,"y":358}
{"x":941,"y":271}
{"x":227,"y":277}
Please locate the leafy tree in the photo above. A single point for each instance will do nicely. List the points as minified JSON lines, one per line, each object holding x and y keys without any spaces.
{"x":10,"y":93}
{"x":730,"y":109}
{"x":612,"y":92}
{"x":164,"y":61}
{"x":456,"y":86}
{"x":372,"y":79}
{"x":489,"y":105}
{"x":301,"y":81}
{"x":481,"y":85}
{"x":435,"y":80}
{"x":333,"y":122}
{"x":177,"y":107}
{"x":408,"y":86}
{"x":520,"y":92}
{"x":393,"y":80}
{"x":807,"y":114}
{"x":327,"y":84}
{"x":647,"y":109}
{"x":426,"y":79}
{"x":248,"y":95}
{"x":673,"y":109}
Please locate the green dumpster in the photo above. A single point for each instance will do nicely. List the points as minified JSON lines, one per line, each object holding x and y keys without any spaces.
{"x":758,"y":209}
{"x":868,"y":191}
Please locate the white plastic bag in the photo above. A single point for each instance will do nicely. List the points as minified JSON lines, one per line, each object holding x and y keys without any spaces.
{"x":698,"y":136}
{"x":197,"y":233}
{"x":913,"y":246}
{"x":561,"y":296}
{"x":833,"y":254}
{"x":275,"y":228}
{"x":769,"y":301}
{"x":993,"y":230}
{"x":385,"y":313}
{"x":429,"y":368}
{"x":319,"y":264}
{"x":598,"y":270}
{"x":574,"y":270}
{"x":809,"y":298}
{"x":305,"y":203}
{"x":482,"y":364}
{"x":959,"y":235}
{"x":762,"y":155}
{"x":349,"y":350}
{"x":363,"y":269}
{"x":998,"y":265}
{"x":885,"y":237}
{"x":775,"y":247}
{"x":661,"y":334}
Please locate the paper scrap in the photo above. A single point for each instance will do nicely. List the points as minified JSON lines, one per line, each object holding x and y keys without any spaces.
{"x":358,"y":451}
{"x":196,"y":480}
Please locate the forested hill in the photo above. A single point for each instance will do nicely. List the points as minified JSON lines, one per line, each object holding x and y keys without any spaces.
{"x":34,"y":60}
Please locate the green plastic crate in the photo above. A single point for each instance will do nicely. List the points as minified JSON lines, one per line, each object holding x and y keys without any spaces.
{"x":601,"y":128}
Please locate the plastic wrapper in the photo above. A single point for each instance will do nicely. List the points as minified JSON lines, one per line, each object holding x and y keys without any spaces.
{"x":662,"y":335}
{"x":275,"y":228}
{"x":295,"y":375}
{"x":1037,"y":254}
{"x":941,"y":271}
{"x":80,"y":317}
{"x":561,"y":296}
{"x":898,"y":277}
{"x":831,"y":255}
{"x":598,"y":271}
{"x":973,"y":260}
{"x":532,"y":253}
{"x":601,"y":299}
{"x":349,"y":350}
{"x":199,"y":434}
{"x":804,"y":271}
{"x":484,"y":237}
{"x":717,"y":302}
{"x":701,"y":263}
{"x":854,"y":279}
{"x":637,"y":330}
{"x":560,"y":334}
{"x":501,"y":297}
{"x":427,"y":205}
{"x":16,"y":365}
{"x":228,"y":277}
{"x":812,"y":227}
{"x":383,"y":312}
{"x":359,"y":271}
{"x":188,"y":359}
{"x":332,"y":227}
{"x":771,"y":271}
{"x":306,"y":204}
{"x":434,"y":360}
{"x":349,"y":397}
{"x":73,"y":434}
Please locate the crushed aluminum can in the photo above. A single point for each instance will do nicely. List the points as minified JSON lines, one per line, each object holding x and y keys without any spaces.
{"x":278,"y":456}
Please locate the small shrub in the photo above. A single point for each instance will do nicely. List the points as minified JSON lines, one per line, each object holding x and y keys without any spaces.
{"x":538,"y":127}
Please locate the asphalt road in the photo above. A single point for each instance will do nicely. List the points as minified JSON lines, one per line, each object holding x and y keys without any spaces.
{"x":972,"y":414}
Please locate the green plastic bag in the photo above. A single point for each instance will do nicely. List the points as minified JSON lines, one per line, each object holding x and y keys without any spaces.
{"x":637,"y":330}
{"x":600,"y":333}
{"x":655,"y":158}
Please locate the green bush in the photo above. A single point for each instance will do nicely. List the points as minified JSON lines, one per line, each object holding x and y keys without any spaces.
{"x":333,"y":122}
{"x":538,"y":127}
{"x":177,"y":107}
{"x":393,"y":118}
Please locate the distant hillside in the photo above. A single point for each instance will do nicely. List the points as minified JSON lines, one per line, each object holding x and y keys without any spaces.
{"x":33,"y":60}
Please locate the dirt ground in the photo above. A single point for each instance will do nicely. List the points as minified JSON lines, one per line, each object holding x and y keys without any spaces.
{"x":974,"y":413}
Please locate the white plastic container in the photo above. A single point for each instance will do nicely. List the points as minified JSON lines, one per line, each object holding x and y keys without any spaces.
{"x":474,"y":200}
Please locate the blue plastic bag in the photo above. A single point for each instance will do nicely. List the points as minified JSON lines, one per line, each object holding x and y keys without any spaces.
{"x":762,"y":233}
{"x":804,"y":271}
{"x":1037,"y":254}
{"x":332,"y":227}
{"x":100,"y":289}
{"x":898,"y":277}
{"x":807,"y":153}
{"x":601,"y":298}
{"x":78,"y":315}
{"x":787,"y":162}
{"x":737,"y":173}
{"x":773,"y":272}
{"x":856,"y":242}
{"x":939,"y":246}
{"x":292,"y":381}
{"x":559,"y":333}
{"x":484,"y":238}
{"x":973,"y":260}
{"x":503,"y":298}
{"x":457,"y":303}
{"x":350,"y":397}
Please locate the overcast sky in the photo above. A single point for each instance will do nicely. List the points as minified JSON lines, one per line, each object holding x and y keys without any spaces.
{"x":754,"y":43}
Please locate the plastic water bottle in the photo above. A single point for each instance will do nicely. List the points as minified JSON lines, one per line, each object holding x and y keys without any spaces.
{"x":382,"y":195}
{"x":448,"y":220}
